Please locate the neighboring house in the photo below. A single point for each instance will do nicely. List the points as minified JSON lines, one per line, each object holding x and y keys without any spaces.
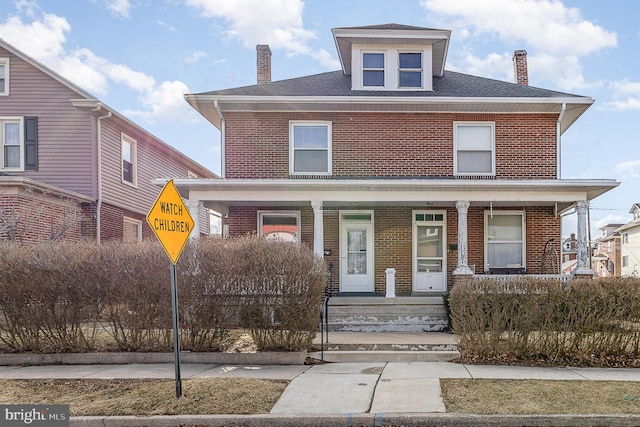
{"x":395,"y":164}
{"x":606,"y":258}
{"x":569,"y":254}
{"x":630,"y":244}
{"x":70,"y":166}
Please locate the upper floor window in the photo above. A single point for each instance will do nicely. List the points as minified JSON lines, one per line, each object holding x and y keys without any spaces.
{"x":12,"y":149}
{"x":410,"y":70}
{"x":129,"y":163}
{"x":4,"y":76}
{"x":373,"y":69}
{"x":274,"y":225}
{"x":474,"y":148}
{"x":310,"y":148}
{"x":625,"y":237}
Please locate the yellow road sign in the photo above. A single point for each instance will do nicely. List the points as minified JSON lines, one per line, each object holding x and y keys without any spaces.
{"x":171,"y":221}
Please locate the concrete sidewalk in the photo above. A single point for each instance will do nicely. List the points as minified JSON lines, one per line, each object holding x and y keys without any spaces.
{"x":342,"y":394}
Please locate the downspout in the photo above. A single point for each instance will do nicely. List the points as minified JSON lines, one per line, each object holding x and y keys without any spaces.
{"x":222,"y":139}
{"x":99,"y":171}
{"x":558,"y":140}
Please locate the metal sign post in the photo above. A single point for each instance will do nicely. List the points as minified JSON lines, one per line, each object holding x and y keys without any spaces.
{"x":172,"y":224}
{"x":176,"y":328}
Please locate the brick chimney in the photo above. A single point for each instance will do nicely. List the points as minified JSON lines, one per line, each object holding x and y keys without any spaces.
{"x":263,"y":63}
{"x":520,"y":67}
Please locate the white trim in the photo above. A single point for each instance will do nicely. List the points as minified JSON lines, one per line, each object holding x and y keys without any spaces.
{"x":134,"y":159}
{"x":328,"y":125}
{"x":133,"y":221}
{"x":20,"y":121}
{"x":7,"y":74}
{"x":391,"y":67}
{"x":428,"y":278}
{"x":293,"y":214}
{"x":493,"y":213}
{"x":342,"y":222}
{"x":492,"y":127}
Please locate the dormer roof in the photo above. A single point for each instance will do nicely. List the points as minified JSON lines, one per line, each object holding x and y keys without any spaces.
{"x":392,"y":34}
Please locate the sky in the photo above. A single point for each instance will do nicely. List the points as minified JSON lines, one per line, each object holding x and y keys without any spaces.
{"x":141,"y":56}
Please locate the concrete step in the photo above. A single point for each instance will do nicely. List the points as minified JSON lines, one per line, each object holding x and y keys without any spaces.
{"x":384,"y":356}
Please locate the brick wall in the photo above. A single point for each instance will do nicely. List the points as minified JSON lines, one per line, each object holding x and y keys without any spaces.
{"x":34,"y":218}
{"x":390,"y":144}
{"x":112,"y":224}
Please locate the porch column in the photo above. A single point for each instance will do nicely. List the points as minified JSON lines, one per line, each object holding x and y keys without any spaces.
{"x":582,"y":244}
{"x":318,"y":228}
{"x":463,"y":267}
{"x":194,"y":207}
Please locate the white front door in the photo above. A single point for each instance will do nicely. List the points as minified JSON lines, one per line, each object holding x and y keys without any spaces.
{"x":429,"y":251}
{"x":356,"y":252}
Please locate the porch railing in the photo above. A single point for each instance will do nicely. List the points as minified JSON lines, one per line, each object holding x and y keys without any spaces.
{"x":507,"y":277}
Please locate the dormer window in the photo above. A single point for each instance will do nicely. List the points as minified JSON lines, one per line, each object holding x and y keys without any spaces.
{"x":373,"y":69}
{"x":410,"y":70}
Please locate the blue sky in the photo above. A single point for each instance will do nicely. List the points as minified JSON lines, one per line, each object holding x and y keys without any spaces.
{"x":140,"y":56}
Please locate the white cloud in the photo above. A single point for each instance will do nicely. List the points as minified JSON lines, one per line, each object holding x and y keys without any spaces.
{"x":629,"y":168}
{"x":625,"y":95}
{"x":120,"y":7}
{"x":556,"y":36}
{"x":169,"y":27}
{"x":44,"y":39}
{"x":277,"y":23}
{"x":195,"y":57}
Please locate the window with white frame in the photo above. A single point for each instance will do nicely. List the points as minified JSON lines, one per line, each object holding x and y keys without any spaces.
{"x":131,"y":230}
{"x":129,"y":157}
{"x":504,"y":239}
{"x":625,"y":237}
{"x":410,"y":70}
{"x":11,"y":138}
{"x":310,"y":148}
{"x":4,"y":76}
{"x":625,"y":261}
{"x":373,"y":69}
{"x":279,"y":225}
{"x":474,"y":148}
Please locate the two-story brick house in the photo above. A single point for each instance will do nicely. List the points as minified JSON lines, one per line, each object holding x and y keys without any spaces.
{"x":606,"y":259}
{"x":72,"y":167}
{"x":393,"y":165}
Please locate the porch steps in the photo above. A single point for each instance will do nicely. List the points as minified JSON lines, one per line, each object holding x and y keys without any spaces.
{"x":363,"y":347}
{"x":379,"y":314}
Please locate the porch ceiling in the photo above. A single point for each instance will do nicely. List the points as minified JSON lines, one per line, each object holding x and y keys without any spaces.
{"x":219,"y":193}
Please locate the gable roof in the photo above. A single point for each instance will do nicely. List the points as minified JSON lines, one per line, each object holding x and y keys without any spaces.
{"x":331,"y":91}
{"x":87,"y":101}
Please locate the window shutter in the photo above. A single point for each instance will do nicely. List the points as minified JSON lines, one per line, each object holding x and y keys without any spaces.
{"x":31,"y":143}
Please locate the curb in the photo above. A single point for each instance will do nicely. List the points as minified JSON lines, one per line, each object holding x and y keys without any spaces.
{"x":115,"y":358}
{"x":354,"y":420}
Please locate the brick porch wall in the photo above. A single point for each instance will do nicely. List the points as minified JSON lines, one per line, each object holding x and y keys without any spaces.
{"x":112,"y":224}
{"x":393,"y":238}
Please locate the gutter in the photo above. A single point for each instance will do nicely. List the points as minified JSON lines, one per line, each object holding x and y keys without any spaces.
{"x":99,"y":171}
{"x":558,"y":141}
{"x":223,"y":168}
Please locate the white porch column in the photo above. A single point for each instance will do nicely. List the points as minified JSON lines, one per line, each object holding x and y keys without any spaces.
{"x":318,"y":228}
{"x":582,"y":244}
{"x":194,"y":207}
{"x":463,"y":267}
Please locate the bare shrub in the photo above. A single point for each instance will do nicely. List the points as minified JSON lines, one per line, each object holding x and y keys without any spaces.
{"x":548,"y":319}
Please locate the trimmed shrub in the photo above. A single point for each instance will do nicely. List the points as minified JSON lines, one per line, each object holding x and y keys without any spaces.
{"x":550,"y":320}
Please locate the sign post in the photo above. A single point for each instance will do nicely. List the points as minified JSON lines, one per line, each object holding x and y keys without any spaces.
{"x":172,"y":223}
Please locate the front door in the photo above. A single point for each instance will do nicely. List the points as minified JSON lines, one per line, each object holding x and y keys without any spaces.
{"x":356,"y":252}
{"x":429,"y":253}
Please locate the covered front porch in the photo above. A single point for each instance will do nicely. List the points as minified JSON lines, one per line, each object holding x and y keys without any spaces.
{"x":426,"y":234}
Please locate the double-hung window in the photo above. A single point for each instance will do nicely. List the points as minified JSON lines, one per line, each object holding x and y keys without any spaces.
{"x":410,"y":70}
{"x":276,"y":225}
{"x":373,"y":69}
{"x":310,"y":148}
{"x":474,"y":148}
{"x":11,"y":138}
{"x":129,"y":167}
{"x":504,"y":239}
{"x":4,"y":76}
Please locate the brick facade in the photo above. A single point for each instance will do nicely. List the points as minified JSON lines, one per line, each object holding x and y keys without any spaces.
{"x":393,"y":234}
{"x":390,"y":144}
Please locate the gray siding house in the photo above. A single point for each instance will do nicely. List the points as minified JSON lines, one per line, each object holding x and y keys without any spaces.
{"x":73,"y":168}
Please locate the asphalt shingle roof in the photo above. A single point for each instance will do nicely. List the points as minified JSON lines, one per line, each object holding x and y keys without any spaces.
{"x":336,"y":83}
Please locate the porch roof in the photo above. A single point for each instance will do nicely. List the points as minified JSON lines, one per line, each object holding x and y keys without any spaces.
{"x":218,"y":194}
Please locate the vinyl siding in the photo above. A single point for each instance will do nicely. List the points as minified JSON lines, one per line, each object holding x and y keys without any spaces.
{"x":66,"y":154}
